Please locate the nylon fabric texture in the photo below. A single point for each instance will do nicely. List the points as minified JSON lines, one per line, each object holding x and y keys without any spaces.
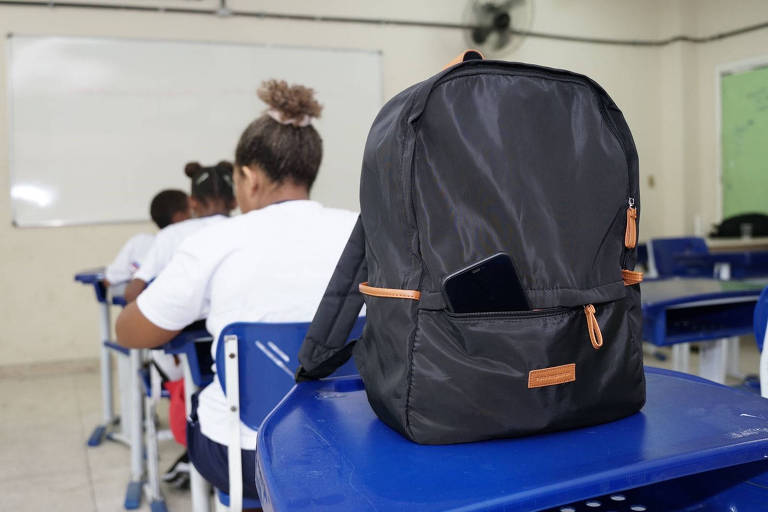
{"x":488,"y":157}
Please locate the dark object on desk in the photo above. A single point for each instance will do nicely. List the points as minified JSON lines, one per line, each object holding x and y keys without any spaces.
{"x":445,"y":184}
{"x":490,"y":284}
{"x":323,"y":449}
{"x":733,"y":227}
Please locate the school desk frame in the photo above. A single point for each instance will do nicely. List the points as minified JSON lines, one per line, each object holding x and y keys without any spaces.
{"x":137,"y":422}
{"x":197,"y":374}
{"x":679,"y":311}
{"x":113,"y":427}
{"x":323,"y":449}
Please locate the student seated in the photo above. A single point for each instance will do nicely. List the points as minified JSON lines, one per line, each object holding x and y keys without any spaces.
{"x":211,"y":199}
{"x":167,"y":207}
{"x":270,"y":264}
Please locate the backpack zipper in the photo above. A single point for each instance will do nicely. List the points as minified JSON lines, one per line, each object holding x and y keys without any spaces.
{"x":593,"y":327}
{"x":501,"y":315}
{"x":630,"y":232}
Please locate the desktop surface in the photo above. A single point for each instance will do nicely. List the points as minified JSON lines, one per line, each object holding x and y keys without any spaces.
{"x":324,"y":449}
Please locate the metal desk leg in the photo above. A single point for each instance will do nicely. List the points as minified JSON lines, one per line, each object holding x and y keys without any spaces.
{"x":200,"y":489}
{"x":712,"y":362}
{"x":134,"y":491}
{"x":156,"y":500}
{"x":732,"y":358}
{"x":681,"y":357}
{"x":108,"y":411}
{"x":123,"y":435}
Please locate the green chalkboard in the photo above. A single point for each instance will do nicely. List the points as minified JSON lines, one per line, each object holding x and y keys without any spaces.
{"x":745,"y":141}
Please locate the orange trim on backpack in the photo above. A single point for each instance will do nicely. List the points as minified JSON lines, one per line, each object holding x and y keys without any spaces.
{"x":552,"y":376}
{"x":391,"y":293}
{"x":464,"y":56}
{"x":631,"y":277}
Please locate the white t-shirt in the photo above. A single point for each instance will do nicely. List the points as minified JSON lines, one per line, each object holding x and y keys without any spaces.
{"x":167,"y":241}
{"x":268,"y":265}
{"x":129,"y":258}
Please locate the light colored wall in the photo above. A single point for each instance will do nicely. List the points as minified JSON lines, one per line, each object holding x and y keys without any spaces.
{"x":702,"y":191}
{"x":46,"y":317}
{"x":632,"y":76}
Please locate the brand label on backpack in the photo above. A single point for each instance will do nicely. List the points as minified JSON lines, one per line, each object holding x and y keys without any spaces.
{"x":552,"y":376}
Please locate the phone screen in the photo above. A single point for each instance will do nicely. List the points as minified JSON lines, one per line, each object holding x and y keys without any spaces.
{"x":489,"y":285}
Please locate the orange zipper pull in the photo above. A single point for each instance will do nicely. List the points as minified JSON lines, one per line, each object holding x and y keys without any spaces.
{"x":595,"y":336}
{"x":630,"y":235}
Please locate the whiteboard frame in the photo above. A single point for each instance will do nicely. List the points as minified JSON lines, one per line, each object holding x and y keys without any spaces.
{"x":9,"y":95}
{"x":721,"y":70}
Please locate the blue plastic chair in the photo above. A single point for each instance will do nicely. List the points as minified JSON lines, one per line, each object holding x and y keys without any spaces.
{"x":663,"y":253}
{"x":255,"y":365}
{"x":760,"y":322}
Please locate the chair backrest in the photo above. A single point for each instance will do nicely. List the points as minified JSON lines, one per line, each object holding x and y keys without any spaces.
{"x":268,"y":359}
{"x":664,"y":251}
{"x":761,"y":318}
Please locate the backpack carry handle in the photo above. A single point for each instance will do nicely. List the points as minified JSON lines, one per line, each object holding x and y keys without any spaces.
{"x":464,"y":57}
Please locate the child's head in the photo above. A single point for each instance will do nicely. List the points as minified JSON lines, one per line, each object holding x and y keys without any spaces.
{"x":282,"y":142}
{"x":168,"y":207}
{"x":211,"y":188}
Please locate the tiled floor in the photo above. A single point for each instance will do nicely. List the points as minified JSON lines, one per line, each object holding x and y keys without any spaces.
{"x":45,"y":464}
{"x":44,"y":461}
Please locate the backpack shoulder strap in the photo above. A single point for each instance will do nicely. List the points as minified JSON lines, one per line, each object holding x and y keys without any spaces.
{"x":325,"y":347}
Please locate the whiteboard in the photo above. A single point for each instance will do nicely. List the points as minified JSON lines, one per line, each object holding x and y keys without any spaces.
{"x":98,"y":126}
{"x":743,"y":132}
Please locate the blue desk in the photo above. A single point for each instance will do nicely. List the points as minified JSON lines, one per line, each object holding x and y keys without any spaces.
{"x":741,"y":264}
{"x":323,"y":449}
{"x":107,"y":429}
{"x":680,"y":311}
{"x":94,"y":277}
{"x":685,"y":310}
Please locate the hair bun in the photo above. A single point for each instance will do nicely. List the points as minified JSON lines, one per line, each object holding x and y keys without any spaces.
{"x":292,"y":101}
{"x":224,"y":167}
{"x":192,"y":168}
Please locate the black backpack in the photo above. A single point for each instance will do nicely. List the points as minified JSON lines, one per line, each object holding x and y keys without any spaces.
{"x":731,"y":227}
{"x":492,"y":157}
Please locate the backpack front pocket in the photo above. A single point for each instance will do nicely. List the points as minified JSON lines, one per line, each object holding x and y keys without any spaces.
{"x":487,"y":375}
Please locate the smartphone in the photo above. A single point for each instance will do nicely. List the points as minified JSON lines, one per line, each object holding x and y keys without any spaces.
{"x":490,"y":284}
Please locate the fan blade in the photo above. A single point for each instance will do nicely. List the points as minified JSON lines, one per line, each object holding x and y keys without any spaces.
{"x":480,"y":34}
{"x":502,"y":39}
